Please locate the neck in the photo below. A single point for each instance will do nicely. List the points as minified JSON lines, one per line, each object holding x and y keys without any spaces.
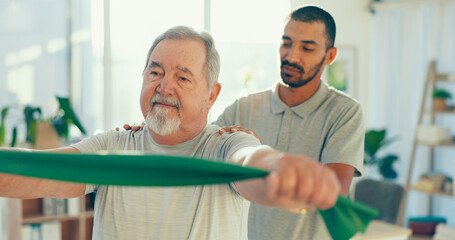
{"x":295,"y":96}
{"x":180,"y":136}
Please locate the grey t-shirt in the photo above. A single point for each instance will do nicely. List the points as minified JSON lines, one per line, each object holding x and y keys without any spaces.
{"x":194,"y":212}
{"x":327,"y":127}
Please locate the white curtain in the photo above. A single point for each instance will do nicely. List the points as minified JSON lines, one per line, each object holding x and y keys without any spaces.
{"x":404,"y":39}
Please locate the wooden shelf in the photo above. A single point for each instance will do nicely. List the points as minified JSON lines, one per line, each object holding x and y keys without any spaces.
{"x":438,"y":192}
{"x":41,"y":218}
{"x":77,"y":226}
{"x":440,"y":144}
{"x":449,"y":110}
{"x":432,"y":78}
{"x":445,"y":77}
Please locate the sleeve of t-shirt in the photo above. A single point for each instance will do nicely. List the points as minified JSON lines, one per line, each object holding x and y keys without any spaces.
{"x":345,"y":141}
{"x":92,"y":144}
{"x":234,"y":142}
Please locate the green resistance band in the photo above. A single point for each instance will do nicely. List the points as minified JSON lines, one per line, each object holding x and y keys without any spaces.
{"x":344,"y":220}
{"x":126,"y":170}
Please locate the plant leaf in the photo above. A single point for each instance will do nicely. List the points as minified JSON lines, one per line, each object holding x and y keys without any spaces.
{"x":61,"y":126}
{"x":32,"y":115}
{"x":389,"y":141}
{"x":32,"y":134}
{"x":2,"y":125}
{"x":14,"y":137}
{"x":2,"y":134}
{"x":373,"y":141}
{"x":69,"y":113}
{"x":386,"y":166}
{"x":4,"y":113}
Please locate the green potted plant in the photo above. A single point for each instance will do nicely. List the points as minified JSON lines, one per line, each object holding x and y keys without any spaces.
{"x":46,"y":133}
{"x":4,"y":113}
{"x":439,"y":99}
{"x":375,"y":140}
{"x":65,"y":117}
{"x":32,"y":115}
{"x":2,"y":125}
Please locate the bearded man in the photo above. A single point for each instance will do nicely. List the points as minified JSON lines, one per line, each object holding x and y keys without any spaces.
{"x":302,"y":115}
{"x":178,"y":89}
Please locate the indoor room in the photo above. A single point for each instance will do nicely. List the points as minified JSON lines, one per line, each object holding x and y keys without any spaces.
{"x":70,"y":70}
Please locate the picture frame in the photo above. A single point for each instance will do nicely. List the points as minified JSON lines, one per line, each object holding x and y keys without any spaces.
{"x":341,"y":74}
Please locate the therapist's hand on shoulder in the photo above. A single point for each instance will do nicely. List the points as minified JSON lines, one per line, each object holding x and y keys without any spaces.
{"x":234,"y":129}
{"x":134,"y":127}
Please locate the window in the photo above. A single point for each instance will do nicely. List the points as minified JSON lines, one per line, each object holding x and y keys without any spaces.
{"x":247,"y":35}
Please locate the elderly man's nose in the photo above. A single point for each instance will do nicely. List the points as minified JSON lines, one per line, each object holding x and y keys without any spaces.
{"x":166,"y":85}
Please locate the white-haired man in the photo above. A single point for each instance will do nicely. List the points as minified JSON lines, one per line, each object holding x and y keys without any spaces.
{"x":179,"y":87}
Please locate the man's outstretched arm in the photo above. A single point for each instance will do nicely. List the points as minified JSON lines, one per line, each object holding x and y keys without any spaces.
{"x":14,"y":186}
{"x":295,"y":181}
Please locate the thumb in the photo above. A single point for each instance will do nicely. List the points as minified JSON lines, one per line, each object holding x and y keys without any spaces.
{"x":272,"y":184}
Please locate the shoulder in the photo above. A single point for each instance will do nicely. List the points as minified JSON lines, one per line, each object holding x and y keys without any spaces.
{"x":221,"y":146}
{"x":105,"y":140}
{"x":126,"y":135}
{"x":252,"y":102}
{"x":241,"y":109}
{"x":339,"y":100}
{"x":240,"y":138}
{"x":256,"y":97}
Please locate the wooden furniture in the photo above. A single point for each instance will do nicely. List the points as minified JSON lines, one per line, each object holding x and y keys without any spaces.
{"x":383,"y":230}
{"x":383,"y":195}
{"x":73,"y":227}
{"x":427,"y":109}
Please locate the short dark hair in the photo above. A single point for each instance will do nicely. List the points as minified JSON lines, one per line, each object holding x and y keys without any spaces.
{"x":316,"y":14}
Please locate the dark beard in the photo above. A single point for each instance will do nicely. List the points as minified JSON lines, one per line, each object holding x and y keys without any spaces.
{"x":300,"y":82}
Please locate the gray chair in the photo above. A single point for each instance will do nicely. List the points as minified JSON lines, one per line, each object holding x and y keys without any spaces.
{"x":382,"y":195}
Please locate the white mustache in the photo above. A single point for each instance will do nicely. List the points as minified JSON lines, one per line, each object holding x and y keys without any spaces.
{"x":158,"y":98}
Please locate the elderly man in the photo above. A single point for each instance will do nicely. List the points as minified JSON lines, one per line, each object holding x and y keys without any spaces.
{"x":302,"y":115}
{"x":179,"y":87}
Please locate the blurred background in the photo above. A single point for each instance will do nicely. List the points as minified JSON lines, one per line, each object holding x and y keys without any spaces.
{"x":93,"y":52}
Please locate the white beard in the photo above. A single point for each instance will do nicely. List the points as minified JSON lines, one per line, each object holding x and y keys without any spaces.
{"x":160,"y":123}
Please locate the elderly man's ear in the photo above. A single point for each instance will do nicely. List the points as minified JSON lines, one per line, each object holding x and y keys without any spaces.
{"x":214,"y":93}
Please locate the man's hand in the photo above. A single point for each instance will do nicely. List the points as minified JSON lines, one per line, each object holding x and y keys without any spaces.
{"x":133,"y":128}
{"x":299,"y":182}
{"x":234,"y":129}
{"x":294,"y":182}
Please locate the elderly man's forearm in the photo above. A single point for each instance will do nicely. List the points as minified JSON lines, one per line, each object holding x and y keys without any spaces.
{"x":295,"y":181}
{"x":21,"y":187}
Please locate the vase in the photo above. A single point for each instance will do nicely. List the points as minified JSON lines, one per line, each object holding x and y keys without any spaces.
{"x":439,"y":104}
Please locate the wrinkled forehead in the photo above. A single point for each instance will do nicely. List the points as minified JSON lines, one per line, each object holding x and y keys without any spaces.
{"x":183,"y":55}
